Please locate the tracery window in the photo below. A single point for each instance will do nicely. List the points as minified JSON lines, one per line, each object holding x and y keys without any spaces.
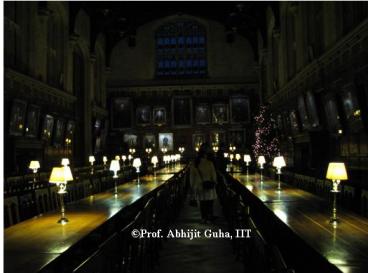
{"x":181,"y":50}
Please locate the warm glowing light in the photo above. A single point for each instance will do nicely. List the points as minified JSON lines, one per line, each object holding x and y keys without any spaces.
{"x":34,"y":165}
{"x":279,"y":162}
{"x":247,"y":158}
{"x":115,"y":167}
{"x":91,"y":159}
{"x":65,"y":161}
{"x":336,"y":171}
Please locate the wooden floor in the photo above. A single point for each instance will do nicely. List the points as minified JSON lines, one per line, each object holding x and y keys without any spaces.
{"x":202,"y":255}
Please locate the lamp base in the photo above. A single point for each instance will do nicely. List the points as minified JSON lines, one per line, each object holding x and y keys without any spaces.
{"x":334,"y":221}
{"x":63,"y":220}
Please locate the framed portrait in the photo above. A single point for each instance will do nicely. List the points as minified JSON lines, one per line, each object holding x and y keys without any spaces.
{"x":203,"y":113}
{"x":332,"y":114}
{"x":130,"y":140}
{"x":280,"y":124}
{"x":159,"y":115}
{"x":312,"y":110}
{"x":149,"y":141}
{"x":198,"y":140}
{"x":47,"y":127}
{"x":303,"y":113}
{"x":182,"y":111}
{"x":220,"y":114}
{"x":217,"y":138}
{"x":17,"y":118}
{"x":70,"y":128}
{"x":239,"y":109}
{"x":237,"y":138}
{"x":59,"y":132}
{"x":166,"y":140}
{"x":352,"y":110}
{"x":294,"y":122}
{"x":122,"y":113}
{"x":143,"y":115}
{"x":33,"y":117}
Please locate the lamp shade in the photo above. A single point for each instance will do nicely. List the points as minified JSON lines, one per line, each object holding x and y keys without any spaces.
{"x":261,"y":160}
{"x":154,"y":160}
{"x":137,"y":162}
{"x":123,"y":157}
{"x":117,"y":157}
{"x":104,"y":159}
{"x":247,"y":158}
{"x":237,"y":156}
{"x":65,"y":161}
{"x":34,"y":164}
{"x":61,"y":175}
{"x":130,"y":157}
{"x":91,"y":159}
{"x":279,"y":162}
{"x":336,"y":171}
{"x":114,"y":165}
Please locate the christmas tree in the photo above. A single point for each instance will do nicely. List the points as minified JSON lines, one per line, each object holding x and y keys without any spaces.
{"x":266,"y":141}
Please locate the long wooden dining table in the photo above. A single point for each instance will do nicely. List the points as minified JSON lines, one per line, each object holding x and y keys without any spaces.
{"x":345,"y":245}
{"x":31,"y":245}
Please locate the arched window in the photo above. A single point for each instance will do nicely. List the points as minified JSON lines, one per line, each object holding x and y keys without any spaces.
{"x":98,"y":72}
{"x":181,"y":50}
{"x":55,"y":52}
{"x":17,"y":35}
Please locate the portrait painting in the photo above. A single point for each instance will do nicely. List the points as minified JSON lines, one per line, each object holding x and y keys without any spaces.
{"x":203,"y":113}
{"x":130,"y":140}
{"x":303,"y":113}
{"x":352,"y":111}
{"x":220,"y":113}
{"x":239,"y":109}
{"x":166,"y":140}
{"x":143,"y":115}
{"x":312,"y":110}
{"x":332,"y":114}
{"x":149,"y":141}
{"x":237,"y":138}
{"x":121,"y":113}
{"x":17,"y":118}
{"x":33,"y":116}
{"x":294,"y":122}
{"x":59,"y":132}
{"x":47,"y":127}
{"x":159,"y":115}
{"x":218,"y":138}
{"x":182,"y":111}
{"x":198,"y":140}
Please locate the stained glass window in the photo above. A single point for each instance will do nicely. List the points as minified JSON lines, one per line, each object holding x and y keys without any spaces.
{"x":181,"y":50}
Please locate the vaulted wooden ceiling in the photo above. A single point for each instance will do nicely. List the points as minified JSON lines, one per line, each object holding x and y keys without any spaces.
{"x":122,"y":19}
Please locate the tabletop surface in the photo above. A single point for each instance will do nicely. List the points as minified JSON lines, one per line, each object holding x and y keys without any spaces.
{"x":345,"y":246}
{"x":32,"y":244}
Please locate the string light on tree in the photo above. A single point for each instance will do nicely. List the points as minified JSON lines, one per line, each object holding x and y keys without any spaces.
{"x":266,"y":142}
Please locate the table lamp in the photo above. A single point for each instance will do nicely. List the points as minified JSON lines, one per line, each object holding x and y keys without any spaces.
{"x":34,"y":165}
{"x":336,"y":172}
{"x":104,"y":160}
{"x":261,"y":161}
{"x":91,"y":159}
{"x":247,"y":159}
{"x":154,"y":161}
{"x":115,"y":167}
{"x":123,"y":158}
{"x":60,"y":176}
{"x":136,"y":164}
{"x":278,"y":163}
{"x":65,"y":162}
{"x":130,"y":157}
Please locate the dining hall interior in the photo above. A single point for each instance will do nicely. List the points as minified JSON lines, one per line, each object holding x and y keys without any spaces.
{"x":111,"y":109}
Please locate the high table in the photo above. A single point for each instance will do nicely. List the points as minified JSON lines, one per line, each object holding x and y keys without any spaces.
{"x":31,"y":245}
{"x":345,"y":246}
